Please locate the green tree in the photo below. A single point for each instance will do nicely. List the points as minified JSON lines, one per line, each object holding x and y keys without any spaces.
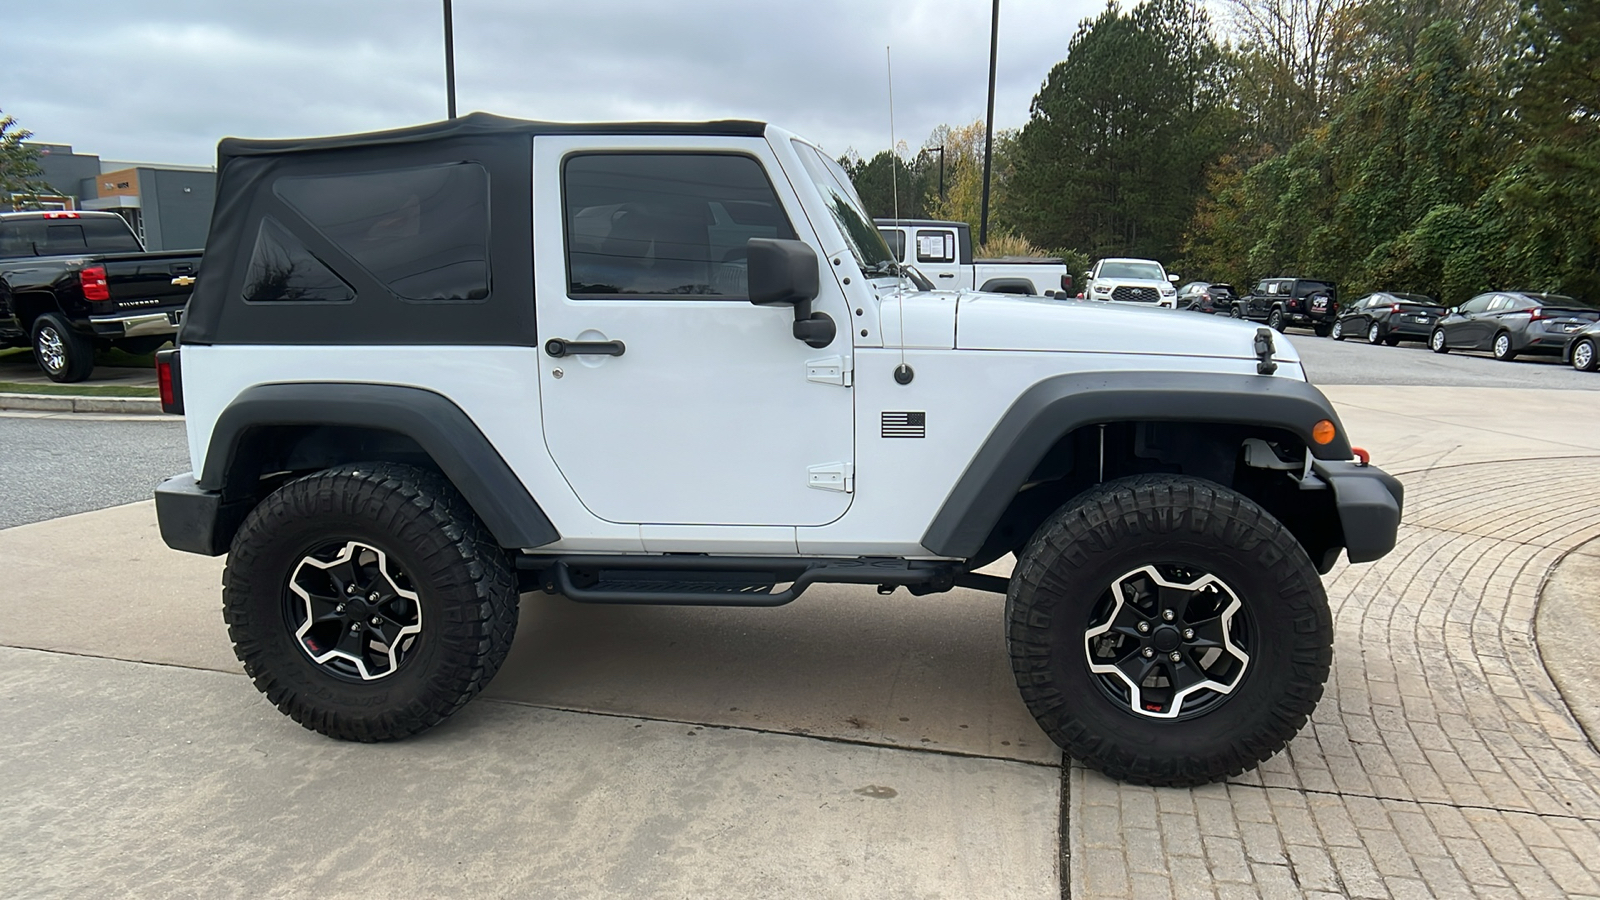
{"x":19,"y":164}
{"x":1120,"y":138}
{"x":878,"y":179}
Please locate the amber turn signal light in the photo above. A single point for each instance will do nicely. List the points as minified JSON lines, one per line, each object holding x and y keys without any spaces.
{"x":1323,"y":432}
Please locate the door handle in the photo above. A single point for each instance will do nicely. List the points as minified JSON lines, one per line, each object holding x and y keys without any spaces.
{"x":559,"y":347}
{"x":947,"y":275}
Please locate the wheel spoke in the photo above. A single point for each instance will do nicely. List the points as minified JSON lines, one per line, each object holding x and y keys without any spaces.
{"x":1184,"y":674}
{"x":1137,"y":668}
{"x":353,"y":641}
{"x":1176,"y":599}
{"x":1208,"y":633}
{"x":324,"y":608}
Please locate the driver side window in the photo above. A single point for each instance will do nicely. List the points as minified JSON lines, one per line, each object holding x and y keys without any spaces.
{"x":1477,"y":304}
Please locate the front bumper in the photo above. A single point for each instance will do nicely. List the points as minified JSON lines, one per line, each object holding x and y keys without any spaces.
{"x":196,"y":520}
{"x":1369,"y":501}
{"x":136,"y":325}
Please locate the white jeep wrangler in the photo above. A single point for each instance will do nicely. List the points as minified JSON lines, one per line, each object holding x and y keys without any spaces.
{"x":429,"y":369}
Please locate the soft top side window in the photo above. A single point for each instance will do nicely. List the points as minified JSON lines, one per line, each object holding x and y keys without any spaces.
{"x":936,"y":246}
{"x":423,"y":232}
{"x":669,"y":225}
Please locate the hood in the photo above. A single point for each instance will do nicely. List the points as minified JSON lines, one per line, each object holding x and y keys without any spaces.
{"x":1010,"y":322}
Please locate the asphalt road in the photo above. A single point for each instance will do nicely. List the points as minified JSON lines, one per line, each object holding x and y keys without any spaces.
{"x":1328,"y":361}
{"x":61,"y":465}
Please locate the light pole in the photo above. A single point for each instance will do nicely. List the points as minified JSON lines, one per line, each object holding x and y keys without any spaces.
{"x":988,"y":125}
{"x":450,"y":60}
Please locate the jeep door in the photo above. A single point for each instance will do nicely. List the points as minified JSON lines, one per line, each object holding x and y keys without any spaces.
{"x":706,"y":414}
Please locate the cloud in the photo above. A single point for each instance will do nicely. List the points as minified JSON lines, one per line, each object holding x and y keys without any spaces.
{"x":163,"y":80}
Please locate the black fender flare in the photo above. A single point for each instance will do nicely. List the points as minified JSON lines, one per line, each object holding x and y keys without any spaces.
{"x":1059,"y":405}
{"x":1009,"y":286}
{"x":438,"y":425}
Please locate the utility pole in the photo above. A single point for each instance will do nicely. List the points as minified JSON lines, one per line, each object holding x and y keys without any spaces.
{"x":450,"y":61}
{"x":988,"y":125}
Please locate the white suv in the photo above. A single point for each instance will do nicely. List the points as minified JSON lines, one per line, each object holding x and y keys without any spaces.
{"x":429,"y":370}
{"x":1137,"y":281}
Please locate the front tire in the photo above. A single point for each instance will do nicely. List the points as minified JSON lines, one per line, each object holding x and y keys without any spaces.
{"x":1584,"y":358}
{"x":367,"y":601}
{"x":63,"y":354}
{"x":1437,"y":342}
{"x":1143,"y":569}
{"x":1234,"y":312}
{"x":1338,"y":330}
{"x":1502,"y":347}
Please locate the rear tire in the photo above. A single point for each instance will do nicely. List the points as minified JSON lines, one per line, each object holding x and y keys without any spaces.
{"x":1322,"y":329}
{"x":1584,"y":358}
{"x":1275,"y":321}
{"x":367,"y":601}
{"x":1392,"y":341}
{"x":1502,"y":347}
{"x":63,"y":354}
{"x":1437,"y":342}
{"x":1063,"y":614}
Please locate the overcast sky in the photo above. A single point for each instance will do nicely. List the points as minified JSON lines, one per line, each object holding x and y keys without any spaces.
{"x":163,"y":80}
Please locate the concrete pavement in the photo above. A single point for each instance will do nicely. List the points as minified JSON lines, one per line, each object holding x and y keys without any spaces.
{"x":846,"y":745}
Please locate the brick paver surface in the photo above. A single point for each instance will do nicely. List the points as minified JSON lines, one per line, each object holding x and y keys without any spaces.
{"x":1441,"y":762}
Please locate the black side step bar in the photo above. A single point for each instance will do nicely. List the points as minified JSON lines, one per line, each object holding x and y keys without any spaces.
{"x":690,"y":580}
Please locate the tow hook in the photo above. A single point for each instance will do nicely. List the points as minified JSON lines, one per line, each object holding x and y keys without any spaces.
{"x":1363,"y":458}
{"x":1264,"y":350}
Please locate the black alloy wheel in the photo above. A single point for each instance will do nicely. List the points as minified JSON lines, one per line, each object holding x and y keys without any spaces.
{"x":1322,"y":329}
{"x":1168,"y":631}
{"x":1374,"y":334}
{"x":63,"y":354}
{"x":1502,"y":347}
{"x":1234,"y":312}
{"x":1275,"y":321}
{"x":367,"y":601}
{"x":1338,"y":329}
{"x":1584,"y":357}
{"x":1437,"y":342}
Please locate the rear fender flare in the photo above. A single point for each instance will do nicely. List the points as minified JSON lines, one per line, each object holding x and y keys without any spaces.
{"x":440,"y":427}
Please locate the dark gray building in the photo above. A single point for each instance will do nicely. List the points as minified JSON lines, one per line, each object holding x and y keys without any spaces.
{"x":168,"y":206}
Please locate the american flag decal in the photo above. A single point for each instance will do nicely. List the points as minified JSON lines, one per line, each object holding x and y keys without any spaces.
{"x":905,"y":424}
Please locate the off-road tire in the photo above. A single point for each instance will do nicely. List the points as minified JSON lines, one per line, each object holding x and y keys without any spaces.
{"x":62,"y":354}
{"x":1234,"y":312}
{"x":1322,"y":329}
{"x":1069,"y":566}
{"x":466,"y":595}
{"x":1276,"y":321}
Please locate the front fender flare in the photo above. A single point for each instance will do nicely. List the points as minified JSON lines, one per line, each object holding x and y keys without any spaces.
{"x":1057,"y":406}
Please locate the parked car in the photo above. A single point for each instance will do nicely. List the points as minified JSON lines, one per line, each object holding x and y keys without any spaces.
{"x":1388,"y":317}
{"x":1281,"y":302}
{"x":942,"y":251}
{"x":1208,"y":297}
{"x":387,"y":476}
{"x":1511,"y":323}
{"x":74,"y":281}
{"x":1138,"y":281}
{"x":1583,"y":350}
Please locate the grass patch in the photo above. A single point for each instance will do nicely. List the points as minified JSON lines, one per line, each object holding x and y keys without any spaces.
{"x":78,"y":390}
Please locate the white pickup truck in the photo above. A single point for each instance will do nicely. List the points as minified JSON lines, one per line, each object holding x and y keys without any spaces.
{"x":943,"y":252}
{"x":1141,"y":281}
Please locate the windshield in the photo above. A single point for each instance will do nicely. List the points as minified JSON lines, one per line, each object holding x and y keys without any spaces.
{"x":1143,"y":271}
{"x":865,"y":242}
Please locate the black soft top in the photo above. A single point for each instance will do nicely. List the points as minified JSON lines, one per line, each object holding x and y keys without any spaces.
{"x":257,"y":226}
{"x":478,"y":124}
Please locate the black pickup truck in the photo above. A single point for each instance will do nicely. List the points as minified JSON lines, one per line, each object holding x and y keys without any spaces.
{"x":74,"y":281}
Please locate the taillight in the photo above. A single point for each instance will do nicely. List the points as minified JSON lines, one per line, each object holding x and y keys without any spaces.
{"x":1395,"y":309}
{"x":93,"y":280}
{"x":1535,"y":315}
{"x":169,"y":376}
{"x":1066,"y":282}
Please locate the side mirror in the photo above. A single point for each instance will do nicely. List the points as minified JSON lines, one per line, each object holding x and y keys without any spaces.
{"x":784,"y":273}
{"x":1172,"y":278}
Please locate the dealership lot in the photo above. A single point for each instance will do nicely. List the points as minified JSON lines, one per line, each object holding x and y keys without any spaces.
{"x":846,"y":745}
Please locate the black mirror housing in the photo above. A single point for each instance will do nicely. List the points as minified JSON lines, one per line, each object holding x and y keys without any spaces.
{"x":784,"y":273}
{"x":781,"y":272}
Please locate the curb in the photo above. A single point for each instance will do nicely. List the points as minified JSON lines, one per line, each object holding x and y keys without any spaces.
{"x":69,"y":404}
